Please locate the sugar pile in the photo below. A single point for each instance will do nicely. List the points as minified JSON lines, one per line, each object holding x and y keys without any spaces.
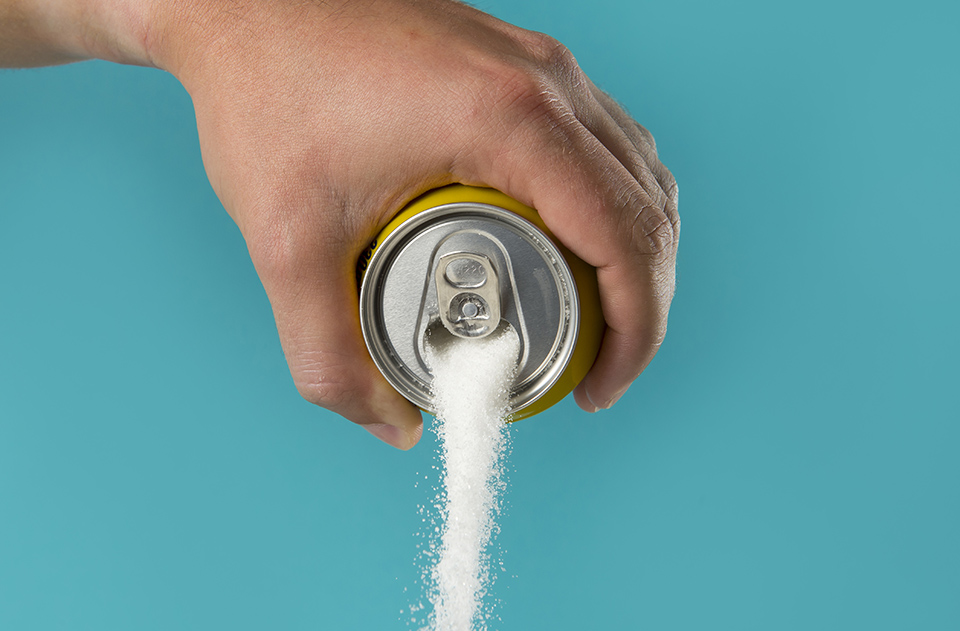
{"x":472,"y":380}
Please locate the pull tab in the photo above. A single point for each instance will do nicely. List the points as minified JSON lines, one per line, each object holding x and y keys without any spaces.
{"x":468,"y":294}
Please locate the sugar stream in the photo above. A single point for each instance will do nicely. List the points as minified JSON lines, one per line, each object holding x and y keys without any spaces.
{"x":472,"y":380}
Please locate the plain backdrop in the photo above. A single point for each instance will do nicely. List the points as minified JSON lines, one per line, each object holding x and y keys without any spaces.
{"x":789,"y":461}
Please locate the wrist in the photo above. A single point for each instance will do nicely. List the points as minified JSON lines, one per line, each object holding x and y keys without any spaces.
{"x":42,"y":32}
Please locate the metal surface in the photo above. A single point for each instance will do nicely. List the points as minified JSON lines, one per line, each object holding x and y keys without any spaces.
{"x":406,"y":294}
{"x":468,"y":295}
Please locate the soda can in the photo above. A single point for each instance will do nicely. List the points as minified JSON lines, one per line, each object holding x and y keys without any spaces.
{"x":465,"y":261}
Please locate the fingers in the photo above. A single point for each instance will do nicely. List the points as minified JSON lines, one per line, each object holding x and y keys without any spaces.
{"x":311,"y":285}
{"x":628,"y":349}
{"x":592,"y":182}
{"x":646,"y":146}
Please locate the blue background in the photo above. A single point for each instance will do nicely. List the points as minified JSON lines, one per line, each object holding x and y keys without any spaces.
{"x":789,"y":461}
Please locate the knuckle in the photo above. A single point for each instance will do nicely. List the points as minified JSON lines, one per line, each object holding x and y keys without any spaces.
{"x":550,"y":53}
{"x":533,"y":90}
{"x":650,"y":182}
{"x":521,"y":97}
{"x":675,"y":223}
{"x":672,"y":206}
{"x":646,"y":136}
{"x":661,"y":187}
{"x":286,"y":241}
{"x":515,"y":85}
{"x":652,"y":232}
{"x":322,"y":382}
{"x":559,"y":63}
{"x":669,"y":184}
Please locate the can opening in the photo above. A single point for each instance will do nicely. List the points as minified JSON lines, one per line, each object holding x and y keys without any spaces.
{"x":437,"y":337}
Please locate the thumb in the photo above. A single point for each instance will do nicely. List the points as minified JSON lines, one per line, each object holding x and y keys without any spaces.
{"x":312,"y":290}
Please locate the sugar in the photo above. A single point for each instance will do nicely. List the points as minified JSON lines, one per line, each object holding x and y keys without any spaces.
{"x":472,"y":380}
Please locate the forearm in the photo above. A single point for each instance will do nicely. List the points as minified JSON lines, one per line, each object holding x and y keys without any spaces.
{"x":47,"y":32}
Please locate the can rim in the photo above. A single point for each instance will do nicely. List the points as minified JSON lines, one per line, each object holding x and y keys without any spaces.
{"x":401,"y":378}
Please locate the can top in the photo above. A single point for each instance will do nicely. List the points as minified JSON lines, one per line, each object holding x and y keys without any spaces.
{"x":466,"y":269}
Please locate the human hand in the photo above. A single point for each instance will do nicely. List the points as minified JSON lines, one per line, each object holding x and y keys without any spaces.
{"x":318,"y":121}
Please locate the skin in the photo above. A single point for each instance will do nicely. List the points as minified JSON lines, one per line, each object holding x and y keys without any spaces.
{"x":319,"y":120}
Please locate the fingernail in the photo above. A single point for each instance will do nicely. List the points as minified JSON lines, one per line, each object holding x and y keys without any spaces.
{"x":614,"y":400}
{"x":583,"y":400}
{"x":596,"y":407}
{"x":393,"y":436}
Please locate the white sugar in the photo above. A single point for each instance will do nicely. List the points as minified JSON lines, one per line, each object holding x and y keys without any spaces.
{"x":472,"y":380}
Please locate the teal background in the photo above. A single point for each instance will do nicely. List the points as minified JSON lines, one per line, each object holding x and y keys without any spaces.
{"x":789,"y":461}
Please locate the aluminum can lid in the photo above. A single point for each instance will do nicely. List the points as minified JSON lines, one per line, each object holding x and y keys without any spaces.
{"x":425,"y":279}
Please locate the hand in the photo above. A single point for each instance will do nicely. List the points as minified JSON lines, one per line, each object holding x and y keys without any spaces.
{"x":319,"y":121}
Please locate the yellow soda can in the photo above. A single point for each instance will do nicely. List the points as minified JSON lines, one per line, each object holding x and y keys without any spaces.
{"x":465,"y":261}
